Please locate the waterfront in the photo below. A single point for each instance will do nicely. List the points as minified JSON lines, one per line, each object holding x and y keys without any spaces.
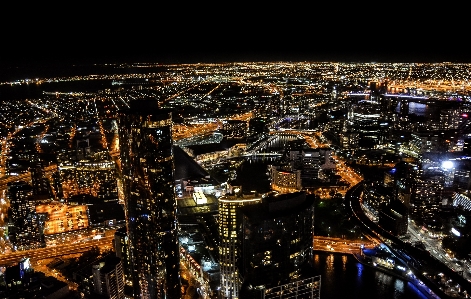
{"x":342,"y":276}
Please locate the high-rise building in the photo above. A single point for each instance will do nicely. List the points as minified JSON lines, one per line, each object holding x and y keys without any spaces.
{"x":24,"y":225}
{"x":121,"y":247}
{"x":103,"y":278}
{"x":275,"y":245}
{"x":39,"y":183}
{"x":258,"y":127}
{"x":427,"y":195}
{"x":393,"y":217}
{"x":284,"y":180}
{"x":234,"y":128}
{"x":145,"y":138}
{"x":108,"y":278}
{"x":228,"y":240}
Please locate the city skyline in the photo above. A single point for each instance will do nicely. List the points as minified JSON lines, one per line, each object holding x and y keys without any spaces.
{"x":151,"y":209}
{"x":51,"y":57}
{"x":329,"y":129}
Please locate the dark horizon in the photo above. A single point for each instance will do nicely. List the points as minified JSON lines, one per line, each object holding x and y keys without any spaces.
{"x":63,"y":59}
{"x":238,"y":32}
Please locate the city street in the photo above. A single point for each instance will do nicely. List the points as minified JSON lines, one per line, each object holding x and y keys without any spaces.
{"x":434,"y":246}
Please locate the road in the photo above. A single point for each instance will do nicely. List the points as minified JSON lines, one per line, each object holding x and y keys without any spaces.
{"x":434,"y":247}
{"x":341,"y":245}
{"x":55,"y":251}
{"x":423,"y":265}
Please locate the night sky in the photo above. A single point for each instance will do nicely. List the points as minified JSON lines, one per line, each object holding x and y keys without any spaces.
{"x":233,"y":32}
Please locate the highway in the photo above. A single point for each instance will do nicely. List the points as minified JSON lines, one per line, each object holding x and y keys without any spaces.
{"x":422,"y":264}
{"x":55,"y":251}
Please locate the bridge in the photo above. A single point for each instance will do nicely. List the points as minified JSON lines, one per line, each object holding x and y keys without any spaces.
{"x":14,"y":257}
{"x":339,"y":245}
{"x":256,"y":147}
{"x":395,"y":95}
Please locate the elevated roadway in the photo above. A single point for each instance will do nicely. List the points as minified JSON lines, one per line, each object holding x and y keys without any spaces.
{"x":13,"y":258}
{"x":420,"y":262}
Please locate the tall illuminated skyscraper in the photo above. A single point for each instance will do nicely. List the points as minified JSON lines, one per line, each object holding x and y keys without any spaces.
{"x":145,"y":137}
{"x":228,"y":241}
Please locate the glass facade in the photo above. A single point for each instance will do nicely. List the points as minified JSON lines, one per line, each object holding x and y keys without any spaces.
{"x":145,"y":138}
{"x":275,"y":241}
{"x":427,"y":195}
{"x":228,"y":241}
{"x":24,"y":226}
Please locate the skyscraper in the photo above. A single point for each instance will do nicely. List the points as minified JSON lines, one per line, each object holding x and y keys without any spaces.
{"x":228,"y":240}
{"x":145,"y":137}
{"x":24,"y":225}
{"x":108,"y":277}
{"x":275,"y":247}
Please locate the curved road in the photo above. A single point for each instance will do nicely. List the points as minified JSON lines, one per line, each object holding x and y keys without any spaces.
{"x":419,"y":261}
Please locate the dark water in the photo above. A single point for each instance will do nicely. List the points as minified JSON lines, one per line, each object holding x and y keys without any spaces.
{"x":419,"y":109}
{"x":343,"y":277}
{"x":34,"y":91}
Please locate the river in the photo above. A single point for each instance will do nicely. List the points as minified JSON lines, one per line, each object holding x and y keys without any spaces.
{"x":342,"y":276}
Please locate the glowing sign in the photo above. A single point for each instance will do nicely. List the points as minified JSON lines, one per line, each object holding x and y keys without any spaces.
{"x":447,"y":164}
{"x":455,"y":232}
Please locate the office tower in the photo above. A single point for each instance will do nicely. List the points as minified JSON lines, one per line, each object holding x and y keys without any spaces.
{"x":24,"y":225}
{"x":108,"y":278}
{"x":228,"y":240}
{"x":257,"y":128}
{"x":462,"y":174}
{"x":145,"y":138}
{"x":393,"y":217}
{"x":103,"y":278}
{"x":285,"y":180}
{"x":39,"y":183}
{"x":312,"y":161}
{"x":427,"y":195}
{"x":121,"y":247}
{"x":400,"y":178}
{"x":275,"y":245}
